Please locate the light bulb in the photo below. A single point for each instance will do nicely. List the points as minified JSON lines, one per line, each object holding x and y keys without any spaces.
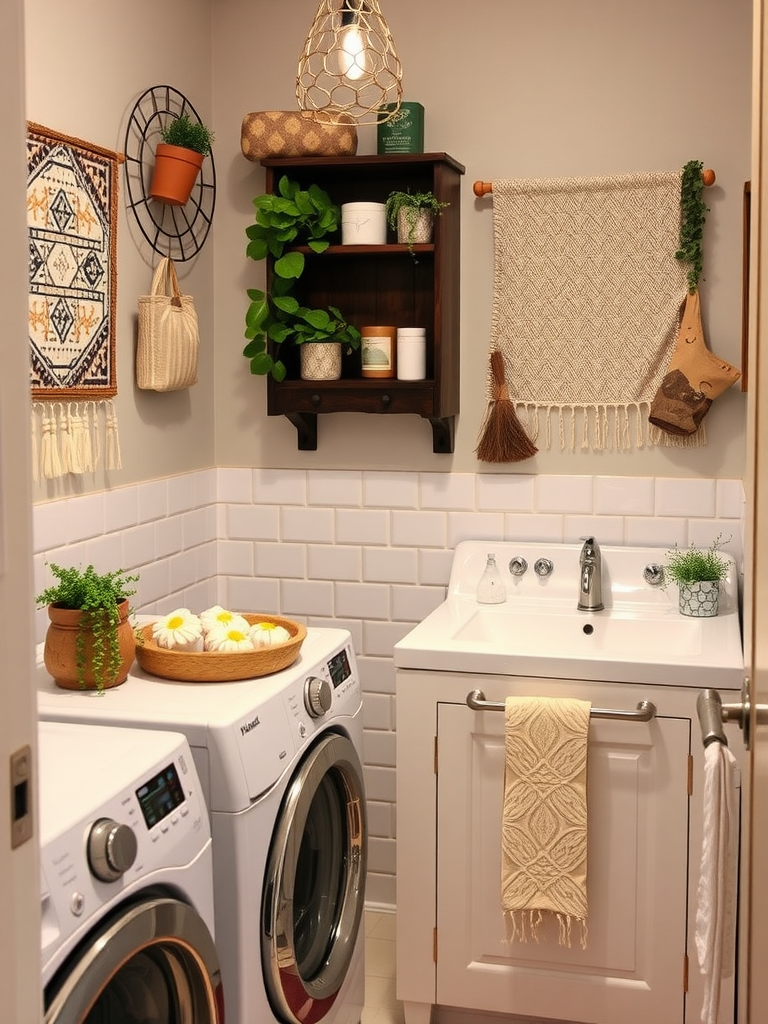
{"x":354,"y":60}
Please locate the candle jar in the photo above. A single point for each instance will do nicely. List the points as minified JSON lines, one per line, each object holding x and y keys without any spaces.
{"x":378,"y":351}
{"x":411,"y":353}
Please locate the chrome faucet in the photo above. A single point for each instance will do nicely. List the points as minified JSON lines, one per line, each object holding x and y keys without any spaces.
{"x":591,"y":583}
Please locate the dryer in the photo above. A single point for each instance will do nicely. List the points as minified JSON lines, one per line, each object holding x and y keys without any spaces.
{"x":126,"y":879}
{"x":280,"y":758}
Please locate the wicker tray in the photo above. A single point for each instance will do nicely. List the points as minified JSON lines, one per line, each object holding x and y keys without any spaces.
{"x":218,"y":666}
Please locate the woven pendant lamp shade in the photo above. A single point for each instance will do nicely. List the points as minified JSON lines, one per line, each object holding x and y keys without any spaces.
{"x":349,"y":68}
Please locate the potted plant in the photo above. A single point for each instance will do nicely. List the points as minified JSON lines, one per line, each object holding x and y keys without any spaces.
{"x":178,"y":159}
{"x":412,"y":215}
{"x":697,"y":573}
{"x":90,"y":643}
{"x":289,"y":219}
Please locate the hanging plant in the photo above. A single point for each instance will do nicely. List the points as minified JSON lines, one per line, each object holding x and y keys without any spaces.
{"x":694,"y":212}
{"x":292,"y":217}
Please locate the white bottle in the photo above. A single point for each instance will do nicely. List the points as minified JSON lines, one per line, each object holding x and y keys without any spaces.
{"x":490,"y":589}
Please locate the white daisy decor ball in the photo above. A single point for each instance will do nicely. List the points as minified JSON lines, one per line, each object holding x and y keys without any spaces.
{"x":265,"y":634}
{"x":228,"y":638}
{"x":216,"y":616}
{"x":181,"y":630}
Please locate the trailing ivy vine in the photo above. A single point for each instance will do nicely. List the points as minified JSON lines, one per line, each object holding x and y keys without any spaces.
{"x":693,"y":212}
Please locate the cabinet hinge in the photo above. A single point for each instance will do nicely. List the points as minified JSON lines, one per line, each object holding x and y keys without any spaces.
{"x":435,"y":757}
{"x":434,"y":944}
{"x":690,"y":775}
{"x":685,"y":973}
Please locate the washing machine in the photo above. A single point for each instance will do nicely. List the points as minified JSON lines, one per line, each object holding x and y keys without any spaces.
{"x":280,"y":758}
{"x":126,"y":879}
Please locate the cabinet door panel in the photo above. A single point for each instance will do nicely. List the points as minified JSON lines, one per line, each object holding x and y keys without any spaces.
{"x":632,"y":967}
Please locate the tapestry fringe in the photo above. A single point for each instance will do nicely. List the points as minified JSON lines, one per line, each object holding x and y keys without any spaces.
{"x":66,"y":438}
{"x":600,"y":427}
{"x":526,"y":926}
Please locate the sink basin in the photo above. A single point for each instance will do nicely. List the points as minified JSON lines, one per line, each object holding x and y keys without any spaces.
{"x":639,"y":636}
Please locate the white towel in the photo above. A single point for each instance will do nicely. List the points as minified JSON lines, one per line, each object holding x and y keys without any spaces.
{"x":716,"y":912}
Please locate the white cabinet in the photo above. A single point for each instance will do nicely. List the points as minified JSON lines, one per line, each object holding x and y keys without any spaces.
{"x":644,"y":793}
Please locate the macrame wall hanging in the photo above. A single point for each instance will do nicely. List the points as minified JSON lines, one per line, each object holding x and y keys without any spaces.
{"x":72,"y":222}
{"x":588,"y":292}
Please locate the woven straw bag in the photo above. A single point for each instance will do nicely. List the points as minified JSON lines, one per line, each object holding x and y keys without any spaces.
{"x":166,"y":354}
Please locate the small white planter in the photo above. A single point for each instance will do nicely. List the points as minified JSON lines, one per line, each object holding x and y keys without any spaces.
{"x":320,"y":360}
{"x":700,"y":599}
{"x":363,"y":224}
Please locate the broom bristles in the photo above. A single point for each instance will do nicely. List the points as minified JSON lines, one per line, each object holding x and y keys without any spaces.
{"x":503,"y":438}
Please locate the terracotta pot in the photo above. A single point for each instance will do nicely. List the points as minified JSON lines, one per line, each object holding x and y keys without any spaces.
{"x":320,"y":360}
{"x":175,"y":173}
{"x":61,"y":656}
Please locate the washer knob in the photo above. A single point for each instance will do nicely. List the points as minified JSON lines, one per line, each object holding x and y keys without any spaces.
{"x":318,"y":696}
{"x":112,"y":849}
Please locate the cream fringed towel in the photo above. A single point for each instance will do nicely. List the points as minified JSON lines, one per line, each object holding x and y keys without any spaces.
{"x":717,"y":892}
{"x":586,"y":305}
{"x":544,"y":821}
{"x":69,"y":437}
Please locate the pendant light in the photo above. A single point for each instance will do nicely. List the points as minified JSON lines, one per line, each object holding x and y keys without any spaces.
{"x":349,"y":70}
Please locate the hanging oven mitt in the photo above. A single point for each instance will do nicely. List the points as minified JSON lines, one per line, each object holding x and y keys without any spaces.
{"x":694,"y":378}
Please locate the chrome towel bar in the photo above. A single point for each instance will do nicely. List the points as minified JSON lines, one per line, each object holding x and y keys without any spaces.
{"x":646,"y":709}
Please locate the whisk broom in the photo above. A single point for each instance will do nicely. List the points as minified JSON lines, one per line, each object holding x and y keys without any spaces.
{"x":502,"y":437}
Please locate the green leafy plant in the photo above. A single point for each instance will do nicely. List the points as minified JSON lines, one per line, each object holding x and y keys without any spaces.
{"x":693,"y":215}
{"x":183,"y":131}
{"x":412,"y":203}
{"x":695,"y":565}
{"x":97,"y":596}
{"x":291,"y":218}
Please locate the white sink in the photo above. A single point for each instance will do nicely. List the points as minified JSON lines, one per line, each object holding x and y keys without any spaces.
{"x":639,"y":636}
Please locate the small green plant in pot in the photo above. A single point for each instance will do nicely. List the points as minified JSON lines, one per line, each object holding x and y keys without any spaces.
{"x":412,"y":214}
{"x":178,"y":159}
{"x":90,"y":643}
{"x":284,"y":221}
{"x":183,"y":131}
{"x":698,"y":573}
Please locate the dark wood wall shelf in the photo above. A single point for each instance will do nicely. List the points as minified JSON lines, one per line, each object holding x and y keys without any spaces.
{"x":380,"y":284}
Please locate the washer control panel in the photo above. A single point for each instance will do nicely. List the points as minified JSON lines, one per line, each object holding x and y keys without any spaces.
{"x":268,"y":736}
{"x":95,"y":846}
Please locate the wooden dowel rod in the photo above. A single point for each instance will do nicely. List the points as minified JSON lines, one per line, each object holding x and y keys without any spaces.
{"x":482,"y":188}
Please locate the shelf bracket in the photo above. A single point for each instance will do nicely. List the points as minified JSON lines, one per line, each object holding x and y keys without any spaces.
{"x":442,"y":434}
{"x":306,"y":429}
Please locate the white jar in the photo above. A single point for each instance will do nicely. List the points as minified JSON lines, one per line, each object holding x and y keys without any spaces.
{"x":411,"y":353}
{"x":363,"y":224}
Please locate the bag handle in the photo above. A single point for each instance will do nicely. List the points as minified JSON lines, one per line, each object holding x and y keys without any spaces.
{"x":165,"y":274}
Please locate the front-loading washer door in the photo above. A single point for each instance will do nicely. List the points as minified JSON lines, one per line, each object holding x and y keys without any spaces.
{"x":154,"y":962}
{"x":314,"y":887}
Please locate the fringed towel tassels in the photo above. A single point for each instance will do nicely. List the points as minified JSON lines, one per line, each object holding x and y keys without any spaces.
{"x":502,"y":437}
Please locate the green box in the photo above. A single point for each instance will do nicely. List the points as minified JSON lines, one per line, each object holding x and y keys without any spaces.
{"x":404,"y":133}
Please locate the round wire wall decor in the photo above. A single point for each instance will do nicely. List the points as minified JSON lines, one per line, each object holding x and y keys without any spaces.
{"x":175,"y":231}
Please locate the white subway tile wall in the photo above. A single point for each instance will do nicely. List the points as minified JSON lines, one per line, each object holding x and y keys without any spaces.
{"x":370,"y":552}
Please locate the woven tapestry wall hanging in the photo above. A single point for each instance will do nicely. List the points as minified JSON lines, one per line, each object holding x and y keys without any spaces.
{"x":586,"y":308}
{"x":72,"y":189}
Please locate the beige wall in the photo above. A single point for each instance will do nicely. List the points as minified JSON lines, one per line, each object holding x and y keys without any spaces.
{"x":86,"y":66}
{"x":528,"y":89}
{"x":510,"y":89}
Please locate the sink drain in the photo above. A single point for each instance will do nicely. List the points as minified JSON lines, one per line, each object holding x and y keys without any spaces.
{"x":589,"y":629}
